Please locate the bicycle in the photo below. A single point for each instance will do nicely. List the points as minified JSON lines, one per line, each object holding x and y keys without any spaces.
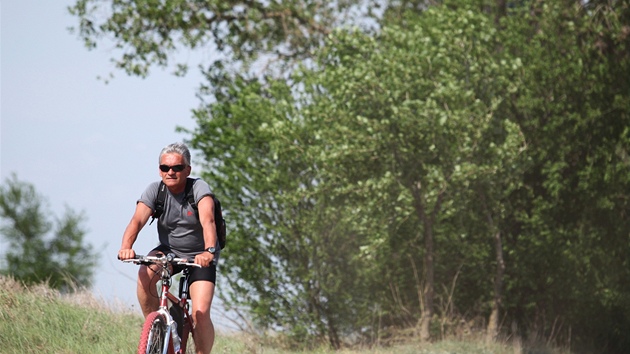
{"x":166,"y":330}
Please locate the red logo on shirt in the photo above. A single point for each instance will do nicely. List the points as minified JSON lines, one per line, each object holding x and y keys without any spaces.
{"x":190,"y":213}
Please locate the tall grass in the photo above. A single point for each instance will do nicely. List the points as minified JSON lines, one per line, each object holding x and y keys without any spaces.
{"x":40,"y":320}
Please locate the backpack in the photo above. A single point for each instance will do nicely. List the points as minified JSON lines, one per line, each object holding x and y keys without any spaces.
{"x":219,"y":221}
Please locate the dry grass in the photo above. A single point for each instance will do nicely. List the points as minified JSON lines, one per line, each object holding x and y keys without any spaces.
{"x":41,"y":320}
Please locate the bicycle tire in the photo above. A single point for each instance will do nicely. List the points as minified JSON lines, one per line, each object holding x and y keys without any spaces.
{"x":153,"y":333}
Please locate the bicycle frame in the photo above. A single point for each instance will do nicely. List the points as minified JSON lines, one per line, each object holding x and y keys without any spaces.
{"x":182,"y":302}
{"x":166,"y":296}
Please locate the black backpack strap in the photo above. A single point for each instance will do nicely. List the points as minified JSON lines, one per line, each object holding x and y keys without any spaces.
{"x":159,"y":202}
{"x":190,"y":197}
{"x":219,"y":222}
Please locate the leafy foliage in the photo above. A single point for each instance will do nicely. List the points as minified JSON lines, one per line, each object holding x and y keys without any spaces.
{"x":150,"y":32}
{"x":469,"y":157}
{"x":33,"y":256}
{"x":575,"y":127}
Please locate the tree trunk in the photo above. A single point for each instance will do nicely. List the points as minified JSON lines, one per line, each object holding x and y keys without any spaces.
{"x":333,"y":337}
{"x":428,"y":291}
{"x":427,"y":311}
{"x":493,"y":321}
{"x":501,"y":11}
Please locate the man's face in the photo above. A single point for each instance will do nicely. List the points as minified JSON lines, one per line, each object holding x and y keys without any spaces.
{"x":174,"y":177}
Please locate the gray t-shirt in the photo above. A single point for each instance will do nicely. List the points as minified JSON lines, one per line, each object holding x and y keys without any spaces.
{"x":178,"y":226}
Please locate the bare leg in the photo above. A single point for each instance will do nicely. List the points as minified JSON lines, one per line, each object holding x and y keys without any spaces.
{"x":146,"y":291}
{"x":201,"y":294}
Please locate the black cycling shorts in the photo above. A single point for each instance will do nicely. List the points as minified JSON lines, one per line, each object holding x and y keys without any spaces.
{"x":204,"y":273}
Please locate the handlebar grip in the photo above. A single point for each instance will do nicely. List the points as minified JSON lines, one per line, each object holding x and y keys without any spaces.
{"x":135,"y":257}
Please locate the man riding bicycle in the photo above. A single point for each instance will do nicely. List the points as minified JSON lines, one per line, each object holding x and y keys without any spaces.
{"x":181,"y":232}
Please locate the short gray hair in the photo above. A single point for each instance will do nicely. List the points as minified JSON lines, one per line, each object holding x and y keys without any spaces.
{"x":176,"y":148}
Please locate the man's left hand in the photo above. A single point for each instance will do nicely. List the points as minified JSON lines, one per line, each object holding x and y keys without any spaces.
{"x":204,"y":259}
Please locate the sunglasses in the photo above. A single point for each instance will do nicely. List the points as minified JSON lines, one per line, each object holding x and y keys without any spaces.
{"x":176,"y":168}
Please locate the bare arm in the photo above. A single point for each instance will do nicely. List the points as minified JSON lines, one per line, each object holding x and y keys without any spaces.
{"x":206,"y":218}
{"x":138,"y":220}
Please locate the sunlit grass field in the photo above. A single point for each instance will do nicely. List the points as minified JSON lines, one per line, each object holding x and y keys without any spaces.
{"x":40,"y":320}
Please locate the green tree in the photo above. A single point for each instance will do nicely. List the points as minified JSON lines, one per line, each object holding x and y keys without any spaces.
{"x":412,"y":113}
{"x":573,"y":111}
{"x":33,"y":255}
{"x":150,"y":32}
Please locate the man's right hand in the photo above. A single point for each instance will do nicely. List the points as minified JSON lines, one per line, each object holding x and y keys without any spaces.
{"x":126,"y":254}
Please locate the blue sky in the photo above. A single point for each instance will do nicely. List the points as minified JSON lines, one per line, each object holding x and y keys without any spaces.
{"x":83,"y":143}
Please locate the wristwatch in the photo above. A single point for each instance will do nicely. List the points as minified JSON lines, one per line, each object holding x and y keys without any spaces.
{"x":211,"y":250}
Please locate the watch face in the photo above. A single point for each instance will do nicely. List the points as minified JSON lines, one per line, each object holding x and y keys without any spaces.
{"x":211,"y":250}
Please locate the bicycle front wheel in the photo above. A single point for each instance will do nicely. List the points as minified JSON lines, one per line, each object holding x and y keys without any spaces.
{"x":153,"y":333}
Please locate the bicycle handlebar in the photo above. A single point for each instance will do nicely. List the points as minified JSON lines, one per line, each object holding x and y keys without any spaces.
{"x":163,"y":260}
